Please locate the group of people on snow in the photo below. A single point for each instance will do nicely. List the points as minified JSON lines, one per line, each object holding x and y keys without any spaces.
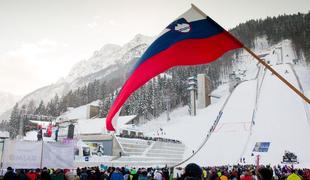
{"x":190,"y":172}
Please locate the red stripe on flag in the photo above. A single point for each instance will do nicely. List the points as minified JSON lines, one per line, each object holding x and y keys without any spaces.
{"x":186,"y":52}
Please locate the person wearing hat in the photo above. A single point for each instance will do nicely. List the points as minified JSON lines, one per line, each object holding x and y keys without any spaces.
{"x":192,"y":172}
{"x":143,"y":175}
{"x":9,"y":175}
{"x":45,"y":174}
{"x":247,"y":175}
{"x":117,"y":175}
{"x":264,"y":173}
{"x":158,"y":175}
{"x":204,"y":173}
{"x":293,"y":176}
{"x":133,"y":174}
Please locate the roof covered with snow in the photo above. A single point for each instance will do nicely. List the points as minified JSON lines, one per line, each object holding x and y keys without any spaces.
{"x":41,"y":123}
{"x":97,"y":125}
{"x":4,"y":134}
{"x":77,"y":113}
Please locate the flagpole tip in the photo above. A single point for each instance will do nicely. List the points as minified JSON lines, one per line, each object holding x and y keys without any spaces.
{"x":198,"y":10}
{"x":193,"y":5}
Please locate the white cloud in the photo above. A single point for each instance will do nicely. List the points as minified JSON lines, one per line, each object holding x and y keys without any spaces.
{"x":102,"y":24}
{"x":97,"y":17}
{"x":112,"y":22}
{"x":33,"y":65}
{"x":92,"y":25}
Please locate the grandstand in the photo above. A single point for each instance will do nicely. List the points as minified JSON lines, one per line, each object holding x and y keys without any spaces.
{"x":140,"y":152}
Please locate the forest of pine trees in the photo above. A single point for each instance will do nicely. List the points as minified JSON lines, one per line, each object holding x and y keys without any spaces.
{"x":295,"y":27}
{"x":150,"y":99}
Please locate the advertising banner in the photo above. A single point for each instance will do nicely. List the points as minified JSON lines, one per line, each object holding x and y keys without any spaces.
{"x":22,"y":154}
{"x":58,"y":155}
{"x":30,"y":155}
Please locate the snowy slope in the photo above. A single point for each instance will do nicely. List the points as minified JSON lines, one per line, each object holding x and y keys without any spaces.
{"x":191,"y":130}
{"x":230,"y":135}
{"x":108,"y":55}
{"x":286,"y":114}
{"x":280,"y":116}
{"x":99,"y":60}
{"x":281,"y":120}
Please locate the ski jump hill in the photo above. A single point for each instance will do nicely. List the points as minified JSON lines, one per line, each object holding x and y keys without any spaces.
{"x":260,"y":117}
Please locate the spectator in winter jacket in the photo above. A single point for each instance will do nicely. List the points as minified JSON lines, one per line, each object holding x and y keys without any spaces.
{"x":45,"y":175}
{"x":165,"y":173}
{"x":78,"y":171}
{"x":9,"y":175}
{"x":264,"y":173}
{"x":143,"y":175}
{"x":84,"y":175}
{"x":192,"y":172}
{"x":20,"y":173}
{"x":204,"y":173}
{"x":158,"y":175}
{"x":58,"y":175}
{"x":126,"y":174}
{"x":56,"y":134}
{"x":247,"y":175}
{"x":31,"y":175}
{"x":69,"y":174}
{"x":40,"y":134}
{"x":223,"y":177}
{"x":293,"y":176}
{"x":105,"y":176}
{"x":93,"y":175}
{"x":117,"y":175}
{"x":213,"y":175}
{"x":133,"y":174}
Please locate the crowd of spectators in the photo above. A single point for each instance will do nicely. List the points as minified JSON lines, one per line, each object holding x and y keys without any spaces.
{"x":149,"y":138}
{"x":88,"y":173}
{"x":190,"y":172}
{"x":250,"y":172}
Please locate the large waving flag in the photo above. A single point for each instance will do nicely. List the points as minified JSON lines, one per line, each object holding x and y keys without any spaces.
{"x":192,"y":39}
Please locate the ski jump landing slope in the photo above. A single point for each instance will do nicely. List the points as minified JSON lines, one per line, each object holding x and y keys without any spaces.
{"x":281,"y":120}
{"x":230,"y":136}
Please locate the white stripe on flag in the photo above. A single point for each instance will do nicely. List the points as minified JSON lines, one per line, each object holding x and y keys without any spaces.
{"x":190,"y":15}
{"x":115,"y":118}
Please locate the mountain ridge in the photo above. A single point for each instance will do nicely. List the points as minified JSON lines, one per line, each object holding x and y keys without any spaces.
{"x":105,"y":61}
{"x":7,"y":100}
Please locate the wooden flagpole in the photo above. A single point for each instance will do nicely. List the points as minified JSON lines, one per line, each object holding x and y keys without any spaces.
{"x":277,"y":74}
{"x":262,"y":62}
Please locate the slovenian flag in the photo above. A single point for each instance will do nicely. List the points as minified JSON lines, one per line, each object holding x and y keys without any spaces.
{"x":192,"y":39}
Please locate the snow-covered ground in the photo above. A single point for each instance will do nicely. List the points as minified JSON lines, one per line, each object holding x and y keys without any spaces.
{"x":32,"y":136}
{"x":280,"y":120}
{"x":230,"y":135}
{"x":184,"y":127}
{"x":279,"y":116}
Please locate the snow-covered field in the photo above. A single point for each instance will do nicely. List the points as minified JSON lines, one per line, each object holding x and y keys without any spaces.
{"x":280,"y":120}
{"x":276,"y":115}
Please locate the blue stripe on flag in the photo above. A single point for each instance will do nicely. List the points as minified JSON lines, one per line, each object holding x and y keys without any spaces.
{"x":199,"y":29}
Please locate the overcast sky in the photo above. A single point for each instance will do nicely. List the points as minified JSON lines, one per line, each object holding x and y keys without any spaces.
{"x":40,"y":40}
